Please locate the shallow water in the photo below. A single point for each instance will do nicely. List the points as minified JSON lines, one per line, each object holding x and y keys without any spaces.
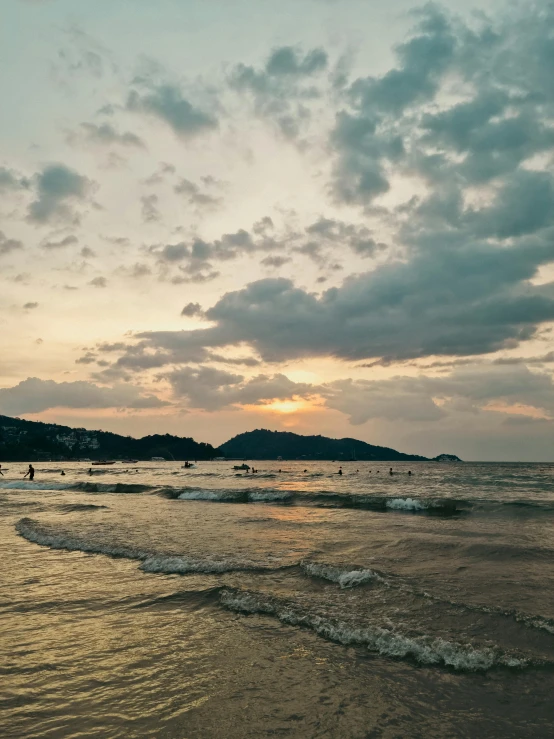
{"x":201,"y":603}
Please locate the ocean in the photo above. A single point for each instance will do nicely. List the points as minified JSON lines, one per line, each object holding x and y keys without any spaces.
{"x":150,"y":600}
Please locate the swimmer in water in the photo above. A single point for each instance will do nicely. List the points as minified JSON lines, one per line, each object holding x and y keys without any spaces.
{"x":390,"y":471}
{"x":340,"y":470}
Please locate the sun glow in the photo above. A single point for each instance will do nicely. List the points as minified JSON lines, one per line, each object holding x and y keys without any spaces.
{"x":287,"y":406}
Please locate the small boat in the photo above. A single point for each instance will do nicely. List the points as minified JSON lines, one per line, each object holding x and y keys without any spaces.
{"x":158,"y":459}
{"x":102,"y":462}
{"x":129,"y":461}
{"x":241,"y":467}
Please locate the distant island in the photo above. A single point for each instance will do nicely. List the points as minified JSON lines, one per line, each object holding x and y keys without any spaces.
{"x":24,"y":441}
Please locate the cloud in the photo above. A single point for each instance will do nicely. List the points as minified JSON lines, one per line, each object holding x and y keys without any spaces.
{"x":212,"y":389}
{"x":320,"y":241}
{"x":462,"y":301}
{"x":284,"y":88}
{"x":473,"y":389}
{"x":66,"y":241}
{"x":275,"y":262}
{"x":8,"y":245}
{"x":149,"y":209}
{"x":166,"y":102}
{"x":34,"y":396}
{"x":98,"y":282}
{"x":402,"y":122}
{"x":10,"y":180}
{"x":59,"y":188}
{"x":194,"y":195}
{"x":104,"y":134}
{"x":192,"y":309}
{"x":30,"y":306}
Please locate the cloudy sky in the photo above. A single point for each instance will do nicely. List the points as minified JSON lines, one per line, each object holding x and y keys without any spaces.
{"x":323,"y":216}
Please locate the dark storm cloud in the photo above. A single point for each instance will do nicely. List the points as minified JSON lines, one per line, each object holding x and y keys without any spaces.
{"x":34,"y":395}
{"x":167,"y":103}
{"x":8,"y":245}
{"x":58,"y":190}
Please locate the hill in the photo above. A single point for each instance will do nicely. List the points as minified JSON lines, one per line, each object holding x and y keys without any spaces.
{"x":32,"y":440}
{"x":264,"y":444}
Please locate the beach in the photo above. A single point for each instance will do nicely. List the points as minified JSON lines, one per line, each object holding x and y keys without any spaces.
{"x":210,"y":603}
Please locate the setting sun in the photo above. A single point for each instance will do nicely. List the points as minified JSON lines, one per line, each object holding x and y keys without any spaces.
{"x":287,"y":406}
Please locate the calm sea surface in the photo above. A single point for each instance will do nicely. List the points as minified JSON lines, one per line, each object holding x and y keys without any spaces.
{"x":152,"y":601}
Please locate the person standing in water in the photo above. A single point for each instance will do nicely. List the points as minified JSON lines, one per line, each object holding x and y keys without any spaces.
{"x":340,"y":470}
{"x":30,"y":472}
{"x":390,"y":471}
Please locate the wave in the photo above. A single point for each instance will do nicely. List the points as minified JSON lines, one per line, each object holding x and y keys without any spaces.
{"x":105,"y":487}
{"x":350,"y":576}
{"x":150,"y":562}
{"x":75,"y":507}
{"x":85,"y":486}
{"x":27,"y":485}
{"x":346,"y":578}
{"x":443,"y":506}
{"x":388,"y":642}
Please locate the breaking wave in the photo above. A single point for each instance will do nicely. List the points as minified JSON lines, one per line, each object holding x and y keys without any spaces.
{"x":150,"y":562}
{"x":444,"y":506}
{"x":388,"y":642}
{"x":346,"y":578}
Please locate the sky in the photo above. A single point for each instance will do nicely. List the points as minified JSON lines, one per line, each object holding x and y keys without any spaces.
{"x":323,"y":216}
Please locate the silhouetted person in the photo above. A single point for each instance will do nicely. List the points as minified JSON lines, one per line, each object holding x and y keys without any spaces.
{"x":390,"y":471}
{"x":63,"y":473}
{"x":340,"y":470}
{"x":30,"y":472}
{"x":90,"y":471}
{"x":1,"y":473}
{"x":410,"y":473}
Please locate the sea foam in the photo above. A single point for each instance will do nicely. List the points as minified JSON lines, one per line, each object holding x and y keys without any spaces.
{"x":388,"y":642}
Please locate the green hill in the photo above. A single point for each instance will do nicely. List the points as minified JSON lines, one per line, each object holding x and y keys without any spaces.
{"x":264,"y":444}
{"x":31,"y":440}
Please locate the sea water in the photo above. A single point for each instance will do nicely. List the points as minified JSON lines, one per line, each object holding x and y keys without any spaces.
{"x":150,"y":600}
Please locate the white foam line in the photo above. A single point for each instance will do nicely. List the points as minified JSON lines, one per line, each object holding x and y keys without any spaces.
{"x":387,"y":642}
